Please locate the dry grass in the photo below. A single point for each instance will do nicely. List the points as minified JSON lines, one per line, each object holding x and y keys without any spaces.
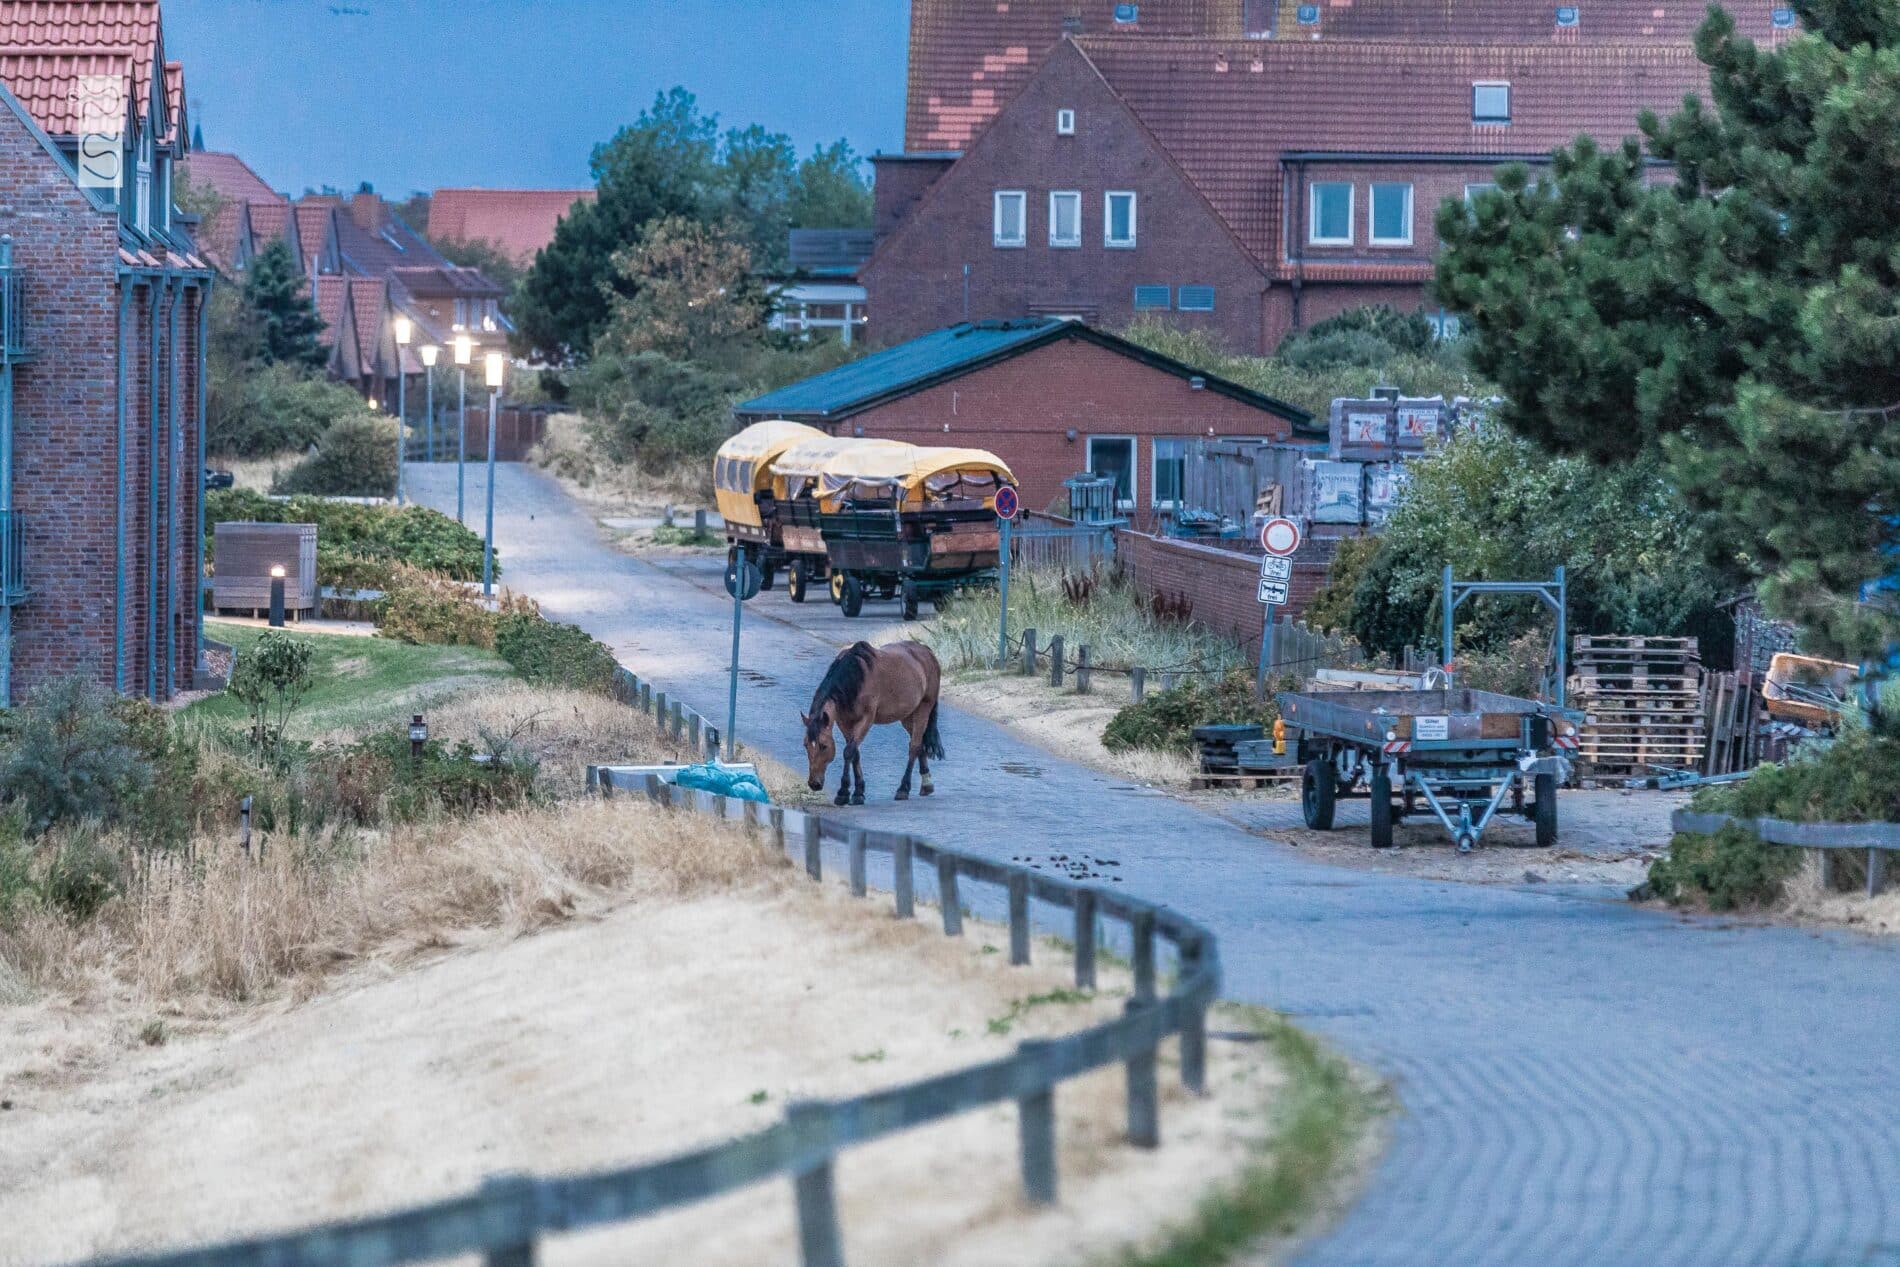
{"x":244,"y":929}
{"x":1803,"y":898}
{"x":1065,"y":723}
{"x":609,"y":488}
{"x":256,"y":473}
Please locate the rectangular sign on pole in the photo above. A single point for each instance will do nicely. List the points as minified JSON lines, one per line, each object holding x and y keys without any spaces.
{"x":1272,"y":593}
{"x":1275,"y":568}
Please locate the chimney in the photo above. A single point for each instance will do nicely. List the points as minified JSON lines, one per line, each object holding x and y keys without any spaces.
{"x":367,"y":210}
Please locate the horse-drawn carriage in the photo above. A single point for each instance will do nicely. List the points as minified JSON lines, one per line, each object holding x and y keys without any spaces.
{"x":798,"y":475}
{"x":746,"y":487}
{"x":908,"y":523}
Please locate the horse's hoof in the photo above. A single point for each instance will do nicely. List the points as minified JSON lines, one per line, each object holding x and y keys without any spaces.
{"x":928,"y":789}
{"x":903,"y":794}
{"x":842,"y":799}
{"x":857,"y":799}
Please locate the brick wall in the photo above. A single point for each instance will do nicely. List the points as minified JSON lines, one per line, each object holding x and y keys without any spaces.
{"x":1223,"y":584}
{"x":1022,"y":409}
{"x":65,"y":437}
{"x":915,"y":282}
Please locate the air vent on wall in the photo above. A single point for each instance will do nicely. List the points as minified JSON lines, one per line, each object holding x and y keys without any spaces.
{"x":1308,"y":15}
{"x":1782,"y":18}
{"x":1567,"y":15}
{"x":1127,"y":13}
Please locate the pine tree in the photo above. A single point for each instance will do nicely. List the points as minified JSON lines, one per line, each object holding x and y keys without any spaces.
{"x":1742,"y":319}
{"x":287,"y":321}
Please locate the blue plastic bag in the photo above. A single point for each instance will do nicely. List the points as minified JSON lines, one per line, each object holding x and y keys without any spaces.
{"x":723,"y":781}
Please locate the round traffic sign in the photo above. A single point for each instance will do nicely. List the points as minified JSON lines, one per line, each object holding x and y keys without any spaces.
{"x":1280,"y":536}
{"x":1007,"y":503}
{"x":743,"y":579}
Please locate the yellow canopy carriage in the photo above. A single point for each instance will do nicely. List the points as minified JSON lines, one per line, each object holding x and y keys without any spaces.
{"x":743,"y":469}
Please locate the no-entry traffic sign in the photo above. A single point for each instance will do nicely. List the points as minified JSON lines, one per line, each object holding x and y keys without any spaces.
{"x":1006,"y":502}
{"x":1280,"y":536}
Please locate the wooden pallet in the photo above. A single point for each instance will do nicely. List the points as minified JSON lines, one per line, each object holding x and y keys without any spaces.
{"x":1646,"y":698}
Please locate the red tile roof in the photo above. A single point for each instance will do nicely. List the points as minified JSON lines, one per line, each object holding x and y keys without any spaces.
{"x":315,"y":230}
{"x":1227,"y":110}
{"x":267,"y":222}
{"x":231,"y":176}
{"x":333,"y":293}
{"x":967,"y":59}
{"x":518,"y":221}
{"x":368,"y":300}
{"x":1519,"y":21}
{"x":174,"y":102}
{"x":46,"y":45}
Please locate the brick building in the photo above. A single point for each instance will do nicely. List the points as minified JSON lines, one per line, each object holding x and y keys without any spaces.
{"x":1051,"y":397}
{"x":101,"y":386}
{"x":1245,"y":167}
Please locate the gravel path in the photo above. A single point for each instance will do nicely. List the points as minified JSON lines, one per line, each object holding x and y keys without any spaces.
{"x":1581,"y":1082}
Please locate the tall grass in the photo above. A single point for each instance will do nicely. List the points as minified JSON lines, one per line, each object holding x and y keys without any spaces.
{"x":1114,"y":621}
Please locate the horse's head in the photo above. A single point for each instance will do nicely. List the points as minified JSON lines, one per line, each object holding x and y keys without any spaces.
{"x":820,"y":747}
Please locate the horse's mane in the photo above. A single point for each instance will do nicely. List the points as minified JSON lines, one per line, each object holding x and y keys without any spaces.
{"x":842,"y":684}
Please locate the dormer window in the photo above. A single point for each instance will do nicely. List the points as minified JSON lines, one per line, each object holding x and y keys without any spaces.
{"x":1490,"y":103}
{"x":1783,"y":19}
{"x":1307,"y":15}
{"x":1065,"y":123}
{"x":1568,"y":15}
{"x":1127,"y":13}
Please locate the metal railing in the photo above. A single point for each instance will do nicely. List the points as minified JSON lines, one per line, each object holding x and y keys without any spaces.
{"x":509,"y":1215}
{"x":1878,"y":839}
{"x":12,"y":306}
{"x":1047,"y":542}
{"x":12,"y":557}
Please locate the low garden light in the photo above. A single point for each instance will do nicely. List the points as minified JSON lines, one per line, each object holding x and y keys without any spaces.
{"x":418,"y":736}
{"x":276,"y":596}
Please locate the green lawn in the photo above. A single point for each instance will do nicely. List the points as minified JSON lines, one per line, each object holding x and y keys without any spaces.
{"x":362,"y":682}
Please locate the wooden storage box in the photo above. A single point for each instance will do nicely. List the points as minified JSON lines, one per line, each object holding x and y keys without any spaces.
{"x":246,"y":552}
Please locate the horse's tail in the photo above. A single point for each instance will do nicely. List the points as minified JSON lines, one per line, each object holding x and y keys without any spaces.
{"x":933,"y":741}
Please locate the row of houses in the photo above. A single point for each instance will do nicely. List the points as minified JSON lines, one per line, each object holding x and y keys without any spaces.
{"x":1244,"y":166}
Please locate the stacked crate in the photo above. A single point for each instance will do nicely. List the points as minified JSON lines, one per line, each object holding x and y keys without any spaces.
{"x":1644,"y":700}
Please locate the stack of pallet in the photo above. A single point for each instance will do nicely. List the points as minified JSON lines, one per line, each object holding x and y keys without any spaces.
{"x":1644,"y":699}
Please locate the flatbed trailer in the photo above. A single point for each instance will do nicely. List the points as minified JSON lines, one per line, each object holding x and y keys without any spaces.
{"x":1462,"y":752}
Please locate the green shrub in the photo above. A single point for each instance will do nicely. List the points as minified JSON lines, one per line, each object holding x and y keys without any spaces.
{"x":648,"y":407}
{"x":358,"y":545}
{"x":424,"y":609}
{"x":271,"y":678}
{"x":383,"y":779}
{"x":83,"y":874}
{"x":71,"y":757}
{"x":356,"y":457}
{"x":1331,"y":607}
{"x":254,"y":411}
{"x":1165,"y":720}
{"x":1730,"y":870}
{"x":550,"y":654}
{"x":18,"y":886}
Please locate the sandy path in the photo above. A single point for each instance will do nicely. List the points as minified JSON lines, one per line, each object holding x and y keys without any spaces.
{"x":653,"y":1028}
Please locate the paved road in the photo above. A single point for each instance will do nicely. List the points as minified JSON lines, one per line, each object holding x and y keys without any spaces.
{"x":1581,"y":1082}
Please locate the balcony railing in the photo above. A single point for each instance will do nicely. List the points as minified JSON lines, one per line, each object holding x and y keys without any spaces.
{"x":12,"y":307}
{"x":12,"y":558}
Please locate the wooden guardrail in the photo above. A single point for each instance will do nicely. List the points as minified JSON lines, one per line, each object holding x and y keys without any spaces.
{"x":1878,"y":839}
{"x":507,"y":1217}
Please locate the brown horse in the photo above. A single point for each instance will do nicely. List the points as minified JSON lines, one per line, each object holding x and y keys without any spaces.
{"x":867,"y":686}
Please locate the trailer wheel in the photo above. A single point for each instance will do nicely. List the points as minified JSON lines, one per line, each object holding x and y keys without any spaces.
{"x":1544,"y":810}
{"x":851,"y":596}
{"x":911,"y":603}
{"x":1381,"y":790}
{"x":1317,"y":792}
{"x":795,"y":582}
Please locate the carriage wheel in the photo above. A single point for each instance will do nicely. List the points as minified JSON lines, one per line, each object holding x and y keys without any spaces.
{"x":911,"y":602}
{"x":767,"y":573}
{"x":851,"y":599}
{"x":795,"y":582}
{"x":837,"y":587}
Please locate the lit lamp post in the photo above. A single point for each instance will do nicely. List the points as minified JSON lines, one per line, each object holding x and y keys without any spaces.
{"x":429,"y":353}
{"x":464,"y":352}
{"x":405,"y":331}
{"x":495,"y":364}
{"x":276,"y":596}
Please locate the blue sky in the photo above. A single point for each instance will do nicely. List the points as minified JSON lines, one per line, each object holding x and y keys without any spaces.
{"x":432,"y":93}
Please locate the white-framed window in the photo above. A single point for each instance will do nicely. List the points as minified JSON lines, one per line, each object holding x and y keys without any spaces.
{"x":1170,"y":472}
{"x":1114,"y":456}
{"x":1390,"y":214}
{"x":1065,"y":217}
{"x":1118,"y":219}
{"x":1065,"y":123}
{"x":1329,"y":213}
{"x":1477,"y":187}
{"x":1490,"y":102}
{"x":1009,"y":224}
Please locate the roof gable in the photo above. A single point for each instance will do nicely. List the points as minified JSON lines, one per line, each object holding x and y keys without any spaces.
{"x":46,"y":45}
{"x":962,"y":349}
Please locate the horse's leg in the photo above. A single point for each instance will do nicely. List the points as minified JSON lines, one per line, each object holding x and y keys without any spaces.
{"x":916,"y":750}
{"x":855,"y":751}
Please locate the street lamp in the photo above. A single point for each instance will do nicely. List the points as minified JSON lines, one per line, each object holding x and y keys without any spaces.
{"x":495,"y":365}
{"x":464,"y":352}
{"x":405,"y":331}
{"x":429,"y":354}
